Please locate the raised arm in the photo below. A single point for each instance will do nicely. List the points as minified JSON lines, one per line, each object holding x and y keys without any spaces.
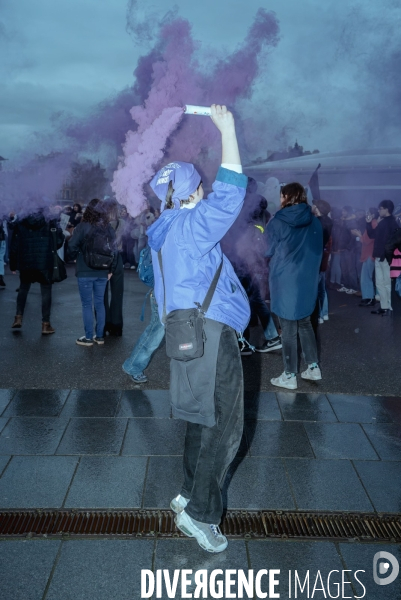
{"x":224,"y":121}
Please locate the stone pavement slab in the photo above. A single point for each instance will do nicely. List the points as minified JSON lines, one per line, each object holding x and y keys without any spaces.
{"x":100,"y":569}
{"x":108,"y":482}
{"x":154,"y":437}
{"x":3,"y":463}
{"x":258,"y":481}
{"x":163,"y":481}
{"x":290,"y":556}
{"x":31,"y":435}
{"x":382,"y":482}
{"x":340,"y":440}
{"x":36,"y":481}
{"x":305,"y":407}
{"x":358,"y":556}
{"x":359,"y":409}
{"x":92,"y":403}
{"x":261,"y":405}
{"x":186,"y":554}
{"x":3,"y":422}
{"x":145,"y":403}
{"x":272,"y":438}
{"x":36,"y":403}
{"x":386,"y":439}
{"x":326,"y":485}
{"x":25,"y":567}
{"x":93,"y":436}
{"x":5,"y":397}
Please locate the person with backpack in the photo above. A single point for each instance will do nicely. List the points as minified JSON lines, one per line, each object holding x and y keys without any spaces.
{"x":93,"y":245}
{"x":204,"y":307}
{"x":32,"y":254}
{"x":153,"y":335}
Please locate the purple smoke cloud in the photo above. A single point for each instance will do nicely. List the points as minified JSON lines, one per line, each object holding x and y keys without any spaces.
{"x":177,"y":79}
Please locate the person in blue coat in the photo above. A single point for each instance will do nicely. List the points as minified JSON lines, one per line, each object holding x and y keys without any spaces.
{"x":294,"y":243}
{"x":207,"y":392}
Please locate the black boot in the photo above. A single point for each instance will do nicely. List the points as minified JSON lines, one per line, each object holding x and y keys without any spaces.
{"x":2,"y":282}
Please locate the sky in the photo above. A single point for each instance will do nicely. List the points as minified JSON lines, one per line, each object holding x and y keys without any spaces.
{"x":332,"y":81}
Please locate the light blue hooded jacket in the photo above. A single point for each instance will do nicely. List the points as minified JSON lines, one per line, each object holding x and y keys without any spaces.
{"x":190,"y":243}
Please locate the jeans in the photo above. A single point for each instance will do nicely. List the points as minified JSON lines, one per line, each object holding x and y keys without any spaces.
{"x":349,"y":273}
{"x":289,"y":338}
{"x":383,"y":283}
{"x":95,"y":286}
{"x":209,"y":451}
{"x":335,"y":269}
{"x":367,"y":287}
{"x":322,"y":295}
{"x":258,"y":309}
{"x":46,"y":292}
{"x":147,"y":344}
{"x":2,"y":255}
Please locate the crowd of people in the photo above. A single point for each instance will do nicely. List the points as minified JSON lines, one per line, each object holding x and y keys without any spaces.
{"x":215,"y":267}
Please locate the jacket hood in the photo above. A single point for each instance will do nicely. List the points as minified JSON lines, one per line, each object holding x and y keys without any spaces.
{"x":158,"y":231}
{"x":299,"y":215}
{"x":35,"y":221}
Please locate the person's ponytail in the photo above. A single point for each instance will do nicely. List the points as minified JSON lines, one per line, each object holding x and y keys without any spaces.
{"x":169,"y":196}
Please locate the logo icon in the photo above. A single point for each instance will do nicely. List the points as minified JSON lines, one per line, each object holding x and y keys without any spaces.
{"x":383,"y":568}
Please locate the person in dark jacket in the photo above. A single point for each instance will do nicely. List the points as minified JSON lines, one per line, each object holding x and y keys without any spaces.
{"x":2,"y":253}
{"x":92,"y":282}
{"x":321,"y":210}
{"x":350,"y":252}
{"x":75,"y":216}
{"x":295,"y":245}
{"x":381,"y":235}
{"x":32,"y":254}
{"x":114,"y":304}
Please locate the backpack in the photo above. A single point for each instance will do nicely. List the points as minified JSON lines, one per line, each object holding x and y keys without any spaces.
{"x":145,"y":267}
{"x":99,"y":249}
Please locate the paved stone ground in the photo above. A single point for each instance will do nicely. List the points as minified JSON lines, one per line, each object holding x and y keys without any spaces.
{"x":120,"y":449}
{"x":359,"y":351}
{"x":76,"y":433}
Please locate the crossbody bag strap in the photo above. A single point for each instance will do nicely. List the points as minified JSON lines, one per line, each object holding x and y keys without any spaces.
{"x":159,"y":255}
{"x":207,"y":301}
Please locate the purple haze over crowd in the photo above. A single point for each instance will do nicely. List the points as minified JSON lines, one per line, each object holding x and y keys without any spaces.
{"x":146,"y":119}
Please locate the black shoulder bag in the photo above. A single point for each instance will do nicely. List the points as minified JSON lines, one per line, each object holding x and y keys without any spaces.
{"x":185,"y":335}
{"x":59,"y":271}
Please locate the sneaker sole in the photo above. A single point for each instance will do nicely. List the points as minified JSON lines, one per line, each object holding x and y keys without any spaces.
{"x":191,"y":535}
{"x":278,"y":347}
{"x":98,"y":343}
{"x":311,"y":378}
{"x":83,"y":344}
{"x":287,"y":387}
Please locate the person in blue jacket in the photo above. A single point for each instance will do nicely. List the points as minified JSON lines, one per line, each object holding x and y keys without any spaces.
{"x":294,"y":243}
{"x":207,"y":392}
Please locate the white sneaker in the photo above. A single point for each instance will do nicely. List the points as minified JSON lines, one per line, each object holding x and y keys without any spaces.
{"x":209,"y":537}
{"x":326,"y":318}
{"x":342,"y":289}
{"x":285,"y":381}
{"x":320,"y":320}
{"x":377,"y":297}
{"x":351,"y":291}
{"x":312,"y":373}
{"x":178,"y":503}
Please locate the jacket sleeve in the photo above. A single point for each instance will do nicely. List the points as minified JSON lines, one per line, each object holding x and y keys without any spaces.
{"x":370,"y":231}
{"x":393,"y":243}
{"x":113,"y":265}
{"x":75,"y":242}
{"x":271,"y":238}
{"x":210,"y":220}
{"x":14,"y":249}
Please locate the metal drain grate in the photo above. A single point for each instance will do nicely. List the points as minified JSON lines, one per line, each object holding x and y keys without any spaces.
{"x":236,"y":524}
